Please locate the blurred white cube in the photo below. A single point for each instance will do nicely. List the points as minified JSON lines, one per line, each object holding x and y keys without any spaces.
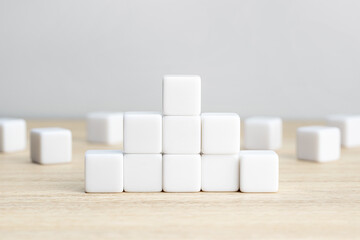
{"x":12,"y":134}
{"x":349,"y":126}
{"x":263,"y":133}
{"x":105,"y":127}
{"x":318,"y":143}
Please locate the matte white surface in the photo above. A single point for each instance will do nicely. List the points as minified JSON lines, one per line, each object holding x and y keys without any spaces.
{"x":259,"y":171}
{"x":181,"y":173}
{"x":12,"y":134}
{"x":220,"y":172}
{"x":50,"y":145}
{"x":103,"y":171}
{"x":105,"y":127}
{"x":220,"y":133}
{"x":318,"y":143}
{"x":181,"y":134}
{"x":181,"y":95}
{"x":263,"y":133}
{"x":349,"y":126}
{"x":142,"y":132}
{"x":142,"y":172}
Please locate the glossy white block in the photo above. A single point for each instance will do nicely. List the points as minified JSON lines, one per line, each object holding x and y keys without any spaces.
{"x":182,"y":134}
{"x":349,"y":126}
{"x":142,"y":132}
{"x":142,"y":172}
{"x":105,"y":127}
{"x":318,"y":143}
{"x":181,"y":173}
{"x":220,"y":133}
{"x":50,"y":145}
{"x":181,"y":95}
{"x":220,"y":172}
{"x":263,"y":133}
{"x":103,"y":171}
{"x":12,"y":134}
{"x":259,"y":171}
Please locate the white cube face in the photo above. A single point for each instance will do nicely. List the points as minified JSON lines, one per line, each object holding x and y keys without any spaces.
{"x":103,"y":171}
{"x":349,"y":126}
{"x":220,"y":133}
{"x":142,"y":172}
{"x":142,"y":132}
{"x":181,"y":173}
{"x":181,"y":95}
{"x":105,"y":127}
{"x":259,"y":171}
{"x":182,"y":134}
{"x":50,"y":145}
{"x":263,"y":133}
{"x":318,"y":143}
{"x":12,"y":135}
{"x":220,"y":172}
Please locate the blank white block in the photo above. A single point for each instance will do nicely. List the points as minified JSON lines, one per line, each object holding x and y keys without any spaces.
{"x":318,"y":143}
{"x":105,"y":127}
{"x":142,"y":172}
{"x":181,"y":95}
{"x":181,"y":173}
{"x":220,"y":133}
{"x":259,"y":171}
{"x":182,"y":134}
{"x":142,"y":132}
{"x":220,"y":172}
{"x":263,"y":133}
{"x":50,"y":145}
{"x":349,"y":126}
{"x":103,"y":171}
{"x":12,"y":134}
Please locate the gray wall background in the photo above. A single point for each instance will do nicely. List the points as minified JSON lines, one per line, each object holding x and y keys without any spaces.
{"x":295,"y":59}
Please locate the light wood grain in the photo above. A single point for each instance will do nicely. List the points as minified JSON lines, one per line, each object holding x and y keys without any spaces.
{"x":48,"y":202}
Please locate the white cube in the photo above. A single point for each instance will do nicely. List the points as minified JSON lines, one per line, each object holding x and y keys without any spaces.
{"x":220,"y":172}
{"x":142,"y":172}
{"x":12,"y":134}
{"x":349,"y":126}
{"x":181,"y":173}
{"x":220,"y":133}
{"x":263,"y":133}
{"x":103,"y":171}
{"x":259,"y":171}
{"x":318,"y":143}
{"x":50,"y":145}
{"x":182,"y":134}
{"x":181,"y":95}
{"x":105,"y":127}
{"x":142,"y":132}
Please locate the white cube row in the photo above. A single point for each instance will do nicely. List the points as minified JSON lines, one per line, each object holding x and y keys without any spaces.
{"x":113,"y":171}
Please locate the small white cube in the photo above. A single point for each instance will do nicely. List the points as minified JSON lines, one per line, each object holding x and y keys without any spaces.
{"x":220,"y":133}
{"x":181,"y":95}
{"x":259,"y":171}
{"x":12,"y":134}
{"x":142,"y":132}
{"x":50,"y":145}
{"x":263,"y":133}
{"x":181,"y":173}
{"x":103,"y":171}
{"x":105,"y":127}
{"x":318,"y":143}
{"x":349,"y":126}
{"x":182,"y":134}
{"x":142,"y":172}
{"x":220,"y":172}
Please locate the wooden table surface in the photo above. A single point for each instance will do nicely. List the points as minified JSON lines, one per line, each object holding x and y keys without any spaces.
{"x":48,"y":202}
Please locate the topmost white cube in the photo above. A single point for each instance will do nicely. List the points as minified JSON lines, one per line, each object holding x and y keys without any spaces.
{"x":181,"y":95}
{"x":349,"y":126}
